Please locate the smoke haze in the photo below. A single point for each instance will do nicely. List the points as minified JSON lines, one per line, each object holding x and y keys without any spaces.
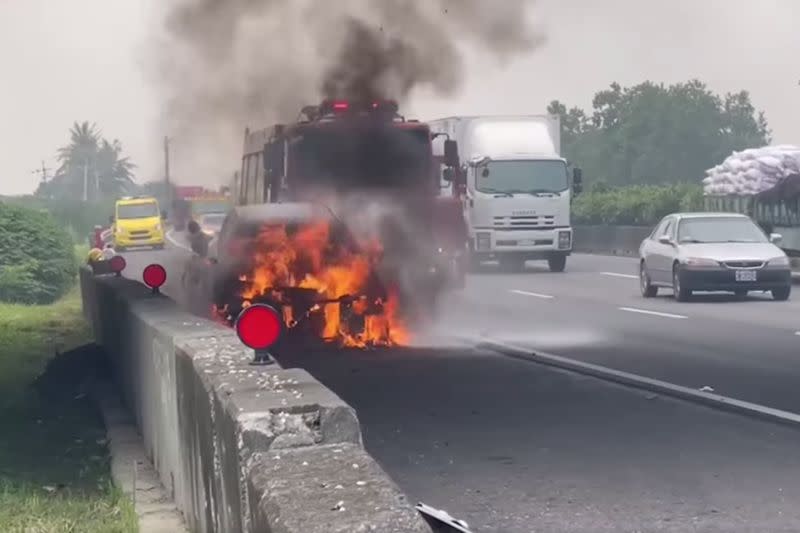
{"x":95,"y":60}
{"x":224,"y":65}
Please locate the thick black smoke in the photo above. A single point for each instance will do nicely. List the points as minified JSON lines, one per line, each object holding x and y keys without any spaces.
{"x":227,"y":64}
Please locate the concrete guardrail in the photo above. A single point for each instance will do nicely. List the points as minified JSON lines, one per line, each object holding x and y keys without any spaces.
{"x":240,"y":448}
{"x":615,"y":240}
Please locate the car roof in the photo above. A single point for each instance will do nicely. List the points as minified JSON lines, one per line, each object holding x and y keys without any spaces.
{"x":707,"y":215}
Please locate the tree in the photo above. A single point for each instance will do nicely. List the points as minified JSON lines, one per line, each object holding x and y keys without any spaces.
{"x":651,"y":133}
{"x":92,"y":163}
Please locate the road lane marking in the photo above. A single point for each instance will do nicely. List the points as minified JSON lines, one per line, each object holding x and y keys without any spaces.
{"x":710,"y":399}
{"x":171,"y":238}
{"x":618,"y":275}
{"x":653,"y":313}
{"x":534,"y":294}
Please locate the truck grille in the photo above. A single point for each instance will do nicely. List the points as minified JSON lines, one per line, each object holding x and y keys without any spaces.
{"x":524,"y":222}
{"x":743,"y":264}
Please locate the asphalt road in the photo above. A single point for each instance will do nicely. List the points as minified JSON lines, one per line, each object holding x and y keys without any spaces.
{"x":514,"y":447}
{"x":748,"y":350}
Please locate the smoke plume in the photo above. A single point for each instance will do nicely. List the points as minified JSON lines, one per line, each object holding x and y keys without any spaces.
{"x":227,"y":64}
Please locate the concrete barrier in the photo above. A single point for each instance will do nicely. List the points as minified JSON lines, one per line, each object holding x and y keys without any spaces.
{"x":240,"y":448}
{"x":614,"y":240}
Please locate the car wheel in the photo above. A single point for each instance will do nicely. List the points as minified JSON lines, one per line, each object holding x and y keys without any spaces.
{"x":680,"y":292}
{"x":781,"y":294}
{"x":648,"y":289}
{"x":557,"y":263}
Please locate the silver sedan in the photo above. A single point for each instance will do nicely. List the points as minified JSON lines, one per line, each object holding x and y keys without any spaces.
{"x":690,"y":252}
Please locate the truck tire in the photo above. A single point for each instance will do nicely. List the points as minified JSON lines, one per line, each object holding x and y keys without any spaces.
{"x":557,"y":262}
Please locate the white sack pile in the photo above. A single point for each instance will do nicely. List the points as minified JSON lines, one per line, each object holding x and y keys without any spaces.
{"x":752,"y":171}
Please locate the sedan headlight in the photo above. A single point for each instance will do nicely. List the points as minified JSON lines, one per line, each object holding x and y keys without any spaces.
{"x":782,"y":261}
{"x":700,"y":262}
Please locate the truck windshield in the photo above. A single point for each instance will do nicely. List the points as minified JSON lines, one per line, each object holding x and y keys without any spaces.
{"x":145,"y":210}
{"x":523,"y":176}
{"x":363,"y":158}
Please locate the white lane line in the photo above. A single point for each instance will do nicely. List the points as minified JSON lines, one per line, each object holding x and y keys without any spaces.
{"x":171,"y":238}
{"x":641,"y":382}
{"x":653,"y":313}
{"x":534,"y":294}
{"x":618,"y":275}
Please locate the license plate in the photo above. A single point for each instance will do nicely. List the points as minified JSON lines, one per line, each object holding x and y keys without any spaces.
{"x":527,"y":242}
{"x":745,"y":275}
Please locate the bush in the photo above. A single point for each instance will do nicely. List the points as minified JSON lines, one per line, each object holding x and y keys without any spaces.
{"x":640,"y":205}
{"x":79,"y":218}
{"x":37,"y":258}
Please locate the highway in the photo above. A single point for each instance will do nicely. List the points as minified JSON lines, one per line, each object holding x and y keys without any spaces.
{"x":513,"y":447}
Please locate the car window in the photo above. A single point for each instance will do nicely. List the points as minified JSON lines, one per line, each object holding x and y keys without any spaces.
{"x":665,"y":228}
{"x":669,"y":230}
{"x":720,"y":229}
{"x":659,"y":229}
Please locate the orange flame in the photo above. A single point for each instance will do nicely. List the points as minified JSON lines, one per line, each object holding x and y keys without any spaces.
{"x":308,"y":260}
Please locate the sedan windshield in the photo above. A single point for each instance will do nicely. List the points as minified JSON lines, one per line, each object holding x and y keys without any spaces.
{"x":213,"y":221}
{"x":719,"y":229}
{"x":144,"y":210}
{"x":522,"y":176}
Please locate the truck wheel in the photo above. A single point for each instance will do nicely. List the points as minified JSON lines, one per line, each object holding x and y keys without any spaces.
{"x":557,"y":263}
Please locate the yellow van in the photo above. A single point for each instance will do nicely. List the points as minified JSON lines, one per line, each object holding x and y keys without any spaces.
{"x":137,"y":222}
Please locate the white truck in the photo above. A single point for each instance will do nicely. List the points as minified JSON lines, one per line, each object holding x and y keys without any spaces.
{"x":517,"y":193}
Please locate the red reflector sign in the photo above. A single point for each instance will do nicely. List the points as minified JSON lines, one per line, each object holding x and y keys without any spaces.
{"x":117,"y":264}
{"x":154,"y":276}
{"x":259,"y":326}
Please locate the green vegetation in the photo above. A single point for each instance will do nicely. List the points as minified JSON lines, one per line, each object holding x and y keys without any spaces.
{"x":91,"y":168}
{"x":656,"y":134}
{"x":54,"y":466}
{"x":641,"y":205}
{"x":37,"y":258}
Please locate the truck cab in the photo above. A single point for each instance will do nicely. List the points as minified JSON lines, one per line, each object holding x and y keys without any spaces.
{"x":517,"y":190}
{"x":137,"y":222}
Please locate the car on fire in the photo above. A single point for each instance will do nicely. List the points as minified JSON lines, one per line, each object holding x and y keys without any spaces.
{"x":340,"y":224}
{"x":727,"y":252}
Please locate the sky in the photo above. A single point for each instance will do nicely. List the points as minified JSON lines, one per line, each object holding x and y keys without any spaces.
{"x":88,"y":60}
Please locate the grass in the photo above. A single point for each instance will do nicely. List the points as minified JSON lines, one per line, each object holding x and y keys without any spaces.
{"x":54,"y":463}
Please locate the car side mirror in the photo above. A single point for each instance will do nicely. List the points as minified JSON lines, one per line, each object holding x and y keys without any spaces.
{"x":448,"y":175}
{"x":775,"y":238}
{"x":664,"y":239}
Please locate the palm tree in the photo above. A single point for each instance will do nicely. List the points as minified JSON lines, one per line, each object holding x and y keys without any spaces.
{"x":114,"y":172}
{"x":92,"y":163}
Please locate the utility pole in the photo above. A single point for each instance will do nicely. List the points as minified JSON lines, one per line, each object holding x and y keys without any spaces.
{"x":42,"y":172}
{"x":166,"y":171}
{"x":86,"y":181}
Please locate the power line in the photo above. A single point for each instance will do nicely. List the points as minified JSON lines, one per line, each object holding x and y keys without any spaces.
{"x":42,"y":172}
